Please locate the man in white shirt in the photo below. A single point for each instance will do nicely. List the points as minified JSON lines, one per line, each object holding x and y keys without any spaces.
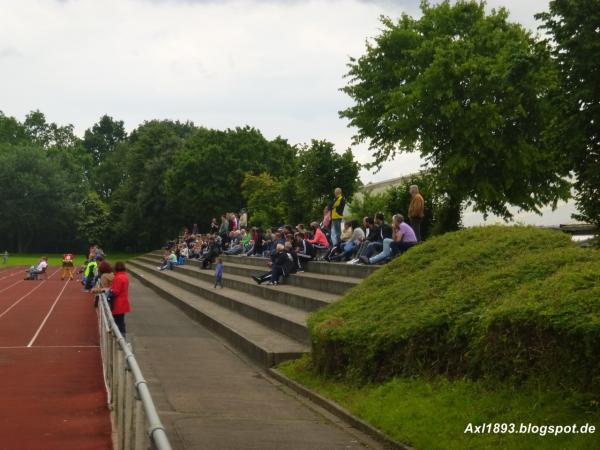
{"x":34,"y":271}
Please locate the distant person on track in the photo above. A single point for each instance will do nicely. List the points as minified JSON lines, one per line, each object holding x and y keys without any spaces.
{"x":35,"y":271}
{"x":120,"y":296}
{"x":5,"y":257}
{"x":68,"y":267}
{"x":89,"y":275}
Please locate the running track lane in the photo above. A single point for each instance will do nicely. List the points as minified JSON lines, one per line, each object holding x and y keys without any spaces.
{"x":51,"y":391}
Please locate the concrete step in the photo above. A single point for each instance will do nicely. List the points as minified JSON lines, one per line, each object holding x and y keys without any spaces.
{"x":338,"y":268}
{"x":333,"y":284}
{"x":280,"y":317}
{"x":261,"y":343}
{"x":298,"y":297}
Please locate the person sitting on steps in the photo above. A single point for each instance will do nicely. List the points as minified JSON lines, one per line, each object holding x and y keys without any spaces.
{"x":403,"y":238}
{"x":282,"y":264}
{"x":212,"y":252}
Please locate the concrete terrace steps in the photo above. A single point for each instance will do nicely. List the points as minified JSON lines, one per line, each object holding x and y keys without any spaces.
{"x":333,"y":284}
{"x":298,"y":297}
{"x":263,"y":344}
{"x":340,"y":269}
{"x":268,"y":323}
{"x":280,"y":317}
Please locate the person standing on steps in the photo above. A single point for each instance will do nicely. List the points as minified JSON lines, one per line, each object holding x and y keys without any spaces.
{"x":219,"y":273}
{"x":120,"y":296}
{"x":337,"y":215}
{"x":416,"y":211}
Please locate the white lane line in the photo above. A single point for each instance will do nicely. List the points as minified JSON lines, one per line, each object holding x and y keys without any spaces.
{"x":50,"y":346}
{"x":48,"y":315}
{"x":25,"y":296}
{"x":14,"y":284}
{"x":8,"y":276}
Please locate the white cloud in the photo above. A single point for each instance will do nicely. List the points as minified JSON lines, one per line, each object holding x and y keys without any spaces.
{"x":276,"y":65}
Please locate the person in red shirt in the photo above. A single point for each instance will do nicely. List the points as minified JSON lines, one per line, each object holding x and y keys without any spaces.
{"x":120,"y":296}
{"x":319,"y":239}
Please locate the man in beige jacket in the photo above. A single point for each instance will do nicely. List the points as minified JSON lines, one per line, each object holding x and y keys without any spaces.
{"x":416,"y":211}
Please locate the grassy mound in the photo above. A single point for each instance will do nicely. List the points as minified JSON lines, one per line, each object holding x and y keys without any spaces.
{"x":510,"y":303}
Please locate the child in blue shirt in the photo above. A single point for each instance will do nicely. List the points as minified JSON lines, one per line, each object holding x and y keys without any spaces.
{"x":219,"y":273}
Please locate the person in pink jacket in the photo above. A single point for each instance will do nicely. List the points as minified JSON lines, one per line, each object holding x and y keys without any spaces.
{"x":319,"y":239}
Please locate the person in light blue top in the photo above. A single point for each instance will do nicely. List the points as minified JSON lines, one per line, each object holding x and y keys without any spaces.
{"x":219,"y":273}
{"x":5,"y":257}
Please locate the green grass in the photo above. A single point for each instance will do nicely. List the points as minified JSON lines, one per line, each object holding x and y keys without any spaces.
{"x":432,"y":414}
{"x":485,"y":325}
{"x":501,"y":303}
{"x":55,"y":259}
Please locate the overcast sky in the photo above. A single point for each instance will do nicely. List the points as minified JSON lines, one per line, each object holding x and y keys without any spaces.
{"x":275,"y":65}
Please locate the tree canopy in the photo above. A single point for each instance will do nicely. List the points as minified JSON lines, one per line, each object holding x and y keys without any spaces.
{"x":472,"y":93}
{"x":574,"y":29}
{"x":133,"y":191}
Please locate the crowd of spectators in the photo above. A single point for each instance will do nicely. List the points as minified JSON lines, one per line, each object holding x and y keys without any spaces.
{"x":289,"y":248}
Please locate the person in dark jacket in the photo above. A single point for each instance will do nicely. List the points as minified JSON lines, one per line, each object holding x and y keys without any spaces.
{"x":305,"y":251}
{"x":282,"y":264}
{"x":211,"y":253}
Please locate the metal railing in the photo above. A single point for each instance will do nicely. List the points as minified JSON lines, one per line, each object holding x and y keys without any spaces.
{"x":135,"y":421}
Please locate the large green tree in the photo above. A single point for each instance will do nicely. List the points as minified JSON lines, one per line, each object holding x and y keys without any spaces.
{"x":470,"y":91}
{"x":206,"y":176}
{"x":319,"y":169}
{"x":263,"y":195}
{"x":574,"y":28}
{"x":141,"y":214}
{"x":101,"y":142}
{"x":38,"y":201}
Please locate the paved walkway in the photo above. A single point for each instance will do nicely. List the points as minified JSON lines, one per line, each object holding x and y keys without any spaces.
{"x":210,"y":398}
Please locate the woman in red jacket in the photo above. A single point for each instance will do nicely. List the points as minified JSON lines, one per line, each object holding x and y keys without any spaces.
{"x":120,"y":290}
{"x":319,"y":239}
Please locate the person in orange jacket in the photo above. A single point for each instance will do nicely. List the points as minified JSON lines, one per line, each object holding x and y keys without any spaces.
{"x":68,"y":266}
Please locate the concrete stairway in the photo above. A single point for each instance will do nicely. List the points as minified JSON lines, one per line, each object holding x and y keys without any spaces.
{"x":267,"y":323}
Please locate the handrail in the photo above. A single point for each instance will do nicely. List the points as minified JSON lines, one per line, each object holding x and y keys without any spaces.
{"x":128,"y":395}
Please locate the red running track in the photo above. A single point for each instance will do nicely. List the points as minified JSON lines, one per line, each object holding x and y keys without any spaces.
{"x":52,"y":394}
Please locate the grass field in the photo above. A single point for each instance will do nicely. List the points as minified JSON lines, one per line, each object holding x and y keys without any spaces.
{"x":432,"y":414}
{"x":55,"y":259}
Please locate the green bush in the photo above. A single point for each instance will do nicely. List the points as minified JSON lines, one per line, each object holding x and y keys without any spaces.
{"x":511,"y":303}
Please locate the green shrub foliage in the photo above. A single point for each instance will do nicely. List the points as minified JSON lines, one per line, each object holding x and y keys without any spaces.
{"x":510,"y":303}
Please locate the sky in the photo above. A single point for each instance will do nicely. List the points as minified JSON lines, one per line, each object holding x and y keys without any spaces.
{"x":276,"y":65}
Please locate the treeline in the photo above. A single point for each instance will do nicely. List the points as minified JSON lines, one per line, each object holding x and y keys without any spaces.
{"x":502,"y":116}
{"x":129,"y":191}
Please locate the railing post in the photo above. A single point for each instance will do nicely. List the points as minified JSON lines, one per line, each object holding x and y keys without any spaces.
{"x":128,"y":404}
{"x":134,"y":415}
